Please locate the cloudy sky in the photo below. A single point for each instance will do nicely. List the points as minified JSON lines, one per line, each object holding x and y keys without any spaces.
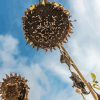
{"x":47,"y":78}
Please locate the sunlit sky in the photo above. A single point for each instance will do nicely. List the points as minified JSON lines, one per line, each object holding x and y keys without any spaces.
{"x":47,"y":78}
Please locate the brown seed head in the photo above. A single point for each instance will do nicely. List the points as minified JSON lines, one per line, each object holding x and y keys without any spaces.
{"x":47,"y":26}
{"x":12,"y":86}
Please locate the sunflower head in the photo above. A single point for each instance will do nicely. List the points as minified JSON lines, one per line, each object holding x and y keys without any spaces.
{"x":11,"y":87}
{"x":46,"y":25}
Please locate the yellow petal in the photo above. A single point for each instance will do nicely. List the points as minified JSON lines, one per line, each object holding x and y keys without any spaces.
{"x":66,"y":12}
{"x":43,"y":2}
{"x":32,"y":7}
{"x":26,"y":12}
{"x":56,"y":4}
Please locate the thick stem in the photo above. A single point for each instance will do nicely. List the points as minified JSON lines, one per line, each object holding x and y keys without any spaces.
{"x":80,"y":74}
{"x":45,"y":1}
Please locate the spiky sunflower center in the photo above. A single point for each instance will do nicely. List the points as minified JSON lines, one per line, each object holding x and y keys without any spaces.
{"x":11,"y":90}
{"x":13,"y":86}
{"x":46,"y":25}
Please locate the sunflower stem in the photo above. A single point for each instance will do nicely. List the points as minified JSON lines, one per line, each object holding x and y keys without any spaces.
{"x":79,"y":73}
{"x":45,"y":1}
{"x":83,"y":96}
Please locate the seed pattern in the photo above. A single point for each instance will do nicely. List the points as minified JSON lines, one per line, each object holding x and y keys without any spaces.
{"x":13,"y":87}
{"x":46,"y":26}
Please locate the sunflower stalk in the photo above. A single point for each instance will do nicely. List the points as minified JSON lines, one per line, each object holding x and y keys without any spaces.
{"x":83,"y":96}
{"x":79,"y":73}
{"x":45,"y":1}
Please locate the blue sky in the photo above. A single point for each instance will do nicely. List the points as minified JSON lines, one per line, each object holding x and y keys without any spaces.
{"x":48,"y":79}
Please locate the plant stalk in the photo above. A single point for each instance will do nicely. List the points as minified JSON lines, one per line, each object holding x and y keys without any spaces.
{"x":83,"y":96}
{"x":45,"y":1}
{"x":80,"y":74}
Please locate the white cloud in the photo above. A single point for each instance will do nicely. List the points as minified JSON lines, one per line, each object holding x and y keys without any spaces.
{"x":9,"y":63}
{"x":7,"y":50}
{"x":84,"y":44}
{"x":12,"y":61}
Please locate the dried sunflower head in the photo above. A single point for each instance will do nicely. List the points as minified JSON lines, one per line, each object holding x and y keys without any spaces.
{"x":46,"y":25}
{"x":11,"y":87}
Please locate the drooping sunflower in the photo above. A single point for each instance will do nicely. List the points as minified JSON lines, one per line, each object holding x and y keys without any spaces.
{"x":46,"y":25}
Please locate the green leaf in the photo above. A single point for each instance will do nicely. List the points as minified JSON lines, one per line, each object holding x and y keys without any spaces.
{"x":93,"y":77}
{"x":97,"y":87}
